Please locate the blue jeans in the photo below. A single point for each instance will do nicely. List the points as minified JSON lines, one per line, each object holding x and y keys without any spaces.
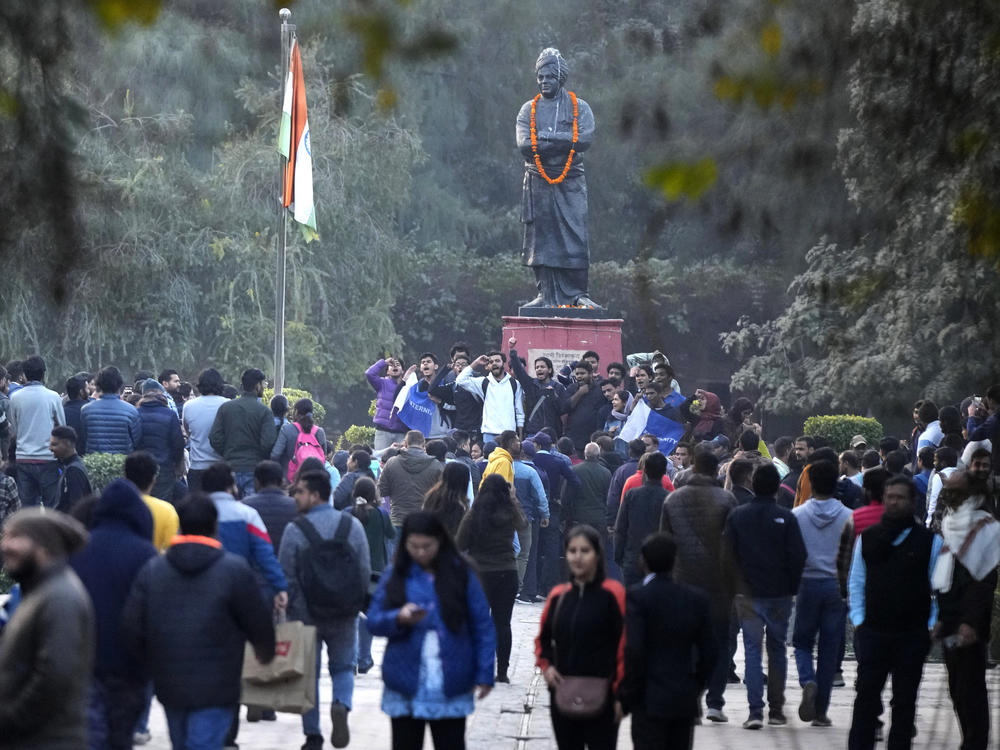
{"x":819,"y":612}
{"x":244,"y":482}
{"x":200,"y":728}
{"x":38,"y":484}
{"x":757,"y":616}
{"x":341,"y":639}
{"x":113,"y":706}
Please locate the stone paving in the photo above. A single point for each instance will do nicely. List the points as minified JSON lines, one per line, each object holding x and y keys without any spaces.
{"x":515,"y":716}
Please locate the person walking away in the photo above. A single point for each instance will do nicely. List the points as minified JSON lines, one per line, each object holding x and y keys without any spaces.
{"x":110,"y":424}
{"x":431,"y":607}
{"x":827,"y":529}
{"x":448,"y":499}
{"x":46,"y":652}
{"x":669,"y":652}
{"x":378,"y":528}
{"x":299,"y":439}
{"x":326,"y":558}
{"x":486,"y":534}
{"x":407,"y":477}
{"x":965,"y":579}
{"x":198,"y":416}
{"x":357,"y":467}
{"x":161,"y":438}
{"x":243,"y":432}
{"x":892,"y":610}
{"x":276,"y":510}
{"x":529,"y":489}
{"x":764,"y":555}
{"x":120,"y":545}
{"x":188,"y":616}
{"x":73,"y":482}
{"x":639,"y":517}
{"x":582,"y":634}
{"x":34,"y":411}
{"x":695,"y":515}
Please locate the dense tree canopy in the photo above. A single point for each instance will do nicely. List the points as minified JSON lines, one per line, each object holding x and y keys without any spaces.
{"x":138,"y":154}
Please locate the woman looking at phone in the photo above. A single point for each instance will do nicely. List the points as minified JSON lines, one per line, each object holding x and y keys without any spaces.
{"x":432,"y":609}
{"x":580,"y":647}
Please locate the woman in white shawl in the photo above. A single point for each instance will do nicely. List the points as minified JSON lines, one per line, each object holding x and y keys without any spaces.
{"x":965,"y":578}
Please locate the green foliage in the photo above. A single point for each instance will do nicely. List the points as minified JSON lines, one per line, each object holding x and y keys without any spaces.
{"x":293,"y":395}
{"x":912,"y":302}
{"x":840,"y":428}
{"x":6,"y":582}
{"x":357,"y":435}
{"x":371,"y":409}
{"x":103,"y":469}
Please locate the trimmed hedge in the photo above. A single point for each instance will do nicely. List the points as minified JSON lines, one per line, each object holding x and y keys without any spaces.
{"x":103,"y":469}
{"x":357,"y":434}
{"x":840,"y":428}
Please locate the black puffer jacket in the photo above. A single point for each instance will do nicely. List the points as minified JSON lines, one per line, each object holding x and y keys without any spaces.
{"x":189,"y":615}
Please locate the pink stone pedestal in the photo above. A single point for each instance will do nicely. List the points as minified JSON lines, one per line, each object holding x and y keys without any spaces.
{"x":564,"y":340}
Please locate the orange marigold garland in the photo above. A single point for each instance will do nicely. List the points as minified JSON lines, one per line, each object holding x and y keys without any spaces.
{"x":534,"y":141}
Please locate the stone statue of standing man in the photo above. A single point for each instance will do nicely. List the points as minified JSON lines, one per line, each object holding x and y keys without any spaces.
{"x":553,"y":131}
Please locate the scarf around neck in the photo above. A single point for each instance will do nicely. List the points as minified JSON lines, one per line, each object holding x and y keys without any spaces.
{"x":972,"y":538}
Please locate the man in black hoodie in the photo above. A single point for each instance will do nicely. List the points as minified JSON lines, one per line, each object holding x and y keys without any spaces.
{"x":189,"y":614}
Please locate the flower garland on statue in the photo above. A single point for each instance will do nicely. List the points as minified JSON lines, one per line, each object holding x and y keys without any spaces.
{"x":534,"y":141}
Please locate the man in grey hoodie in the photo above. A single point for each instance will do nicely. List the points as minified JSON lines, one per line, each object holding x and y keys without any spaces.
{"x":407,"y":477}
{"x":828,"y":531}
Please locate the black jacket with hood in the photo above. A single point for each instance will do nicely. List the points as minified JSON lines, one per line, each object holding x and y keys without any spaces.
{"x":189,"y":616}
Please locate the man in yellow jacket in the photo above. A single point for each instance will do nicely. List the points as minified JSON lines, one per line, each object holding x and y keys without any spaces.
{"x":501,"y":460}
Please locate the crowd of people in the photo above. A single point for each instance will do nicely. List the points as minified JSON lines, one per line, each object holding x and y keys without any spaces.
{"x":649,"y":555}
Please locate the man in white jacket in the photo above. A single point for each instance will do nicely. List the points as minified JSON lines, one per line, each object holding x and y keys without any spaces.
{"x":503,"y":408}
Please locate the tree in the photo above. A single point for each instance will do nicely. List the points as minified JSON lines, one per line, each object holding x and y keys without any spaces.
{"x":914,"y":303}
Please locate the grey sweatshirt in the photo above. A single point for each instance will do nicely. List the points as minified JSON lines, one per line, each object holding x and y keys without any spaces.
{"x":821,"y":523}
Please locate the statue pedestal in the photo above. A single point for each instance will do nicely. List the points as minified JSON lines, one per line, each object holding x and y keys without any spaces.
{"x":564,"y":339}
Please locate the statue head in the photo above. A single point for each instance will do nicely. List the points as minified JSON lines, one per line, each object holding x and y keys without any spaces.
{"x":551,"y":72}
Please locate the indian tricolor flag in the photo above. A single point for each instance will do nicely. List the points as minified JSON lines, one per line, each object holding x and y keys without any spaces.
{"x":293,"y":143}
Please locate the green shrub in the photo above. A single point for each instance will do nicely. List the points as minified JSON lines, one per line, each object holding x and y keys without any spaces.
{"x":103,"y":469}
{"x":293,"y":395}
{"x":6,"y":582}
{"x":840,"y":428}
{"x":357,"y":434}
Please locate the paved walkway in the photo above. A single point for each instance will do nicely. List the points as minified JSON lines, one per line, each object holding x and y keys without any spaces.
{"x":516,"y":717}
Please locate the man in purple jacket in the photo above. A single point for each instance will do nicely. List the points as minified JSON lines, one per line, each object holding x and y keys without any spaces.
{"x":388,"y":427}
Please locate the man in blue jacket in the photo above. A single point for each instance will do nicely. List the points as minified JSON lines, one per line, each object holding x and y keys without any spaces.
{"x":120,"y":545}
{"x":535,"y":503}
{"x":110,"y":425}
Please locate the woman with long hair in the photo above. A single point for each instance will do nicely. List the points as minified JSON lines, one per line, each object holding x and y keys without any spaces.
{"x":300,"y":430}
{"x":449,"y":498}
{"x":487,"y":535}
{"x":378,"y":529}
{"x":581,"y":645}
{"x":432,"y":609}
{"x":358,"y":465}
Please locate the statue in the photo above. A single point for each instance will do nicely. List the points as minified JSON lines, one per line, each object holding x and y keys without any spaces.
{"x":553,"y":131}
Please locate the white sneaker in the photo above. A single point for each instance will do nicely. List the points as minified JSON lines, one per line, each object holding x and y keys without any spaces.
{"x":715,"y":714}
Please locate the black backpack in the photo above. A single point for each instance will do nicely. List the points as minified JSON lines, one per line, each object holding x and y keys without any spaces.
{"x":330,"y":573}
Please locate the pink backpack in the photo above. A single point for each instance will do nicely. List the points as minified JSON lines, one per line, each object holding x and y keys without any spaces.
{"x":306,"y":446}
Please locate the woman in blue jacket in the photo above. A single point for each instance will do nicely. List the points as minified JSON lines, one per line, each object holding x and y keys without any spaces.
{"x":432,"y":609}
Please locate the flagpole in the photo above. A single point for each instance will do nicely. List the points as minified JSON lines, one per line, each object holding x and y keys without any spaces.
{"x":287,"y":30}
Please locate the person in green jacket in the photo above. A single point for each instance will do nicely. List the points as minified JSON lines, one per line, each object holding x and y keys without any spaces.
{"x":243,"y":432}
